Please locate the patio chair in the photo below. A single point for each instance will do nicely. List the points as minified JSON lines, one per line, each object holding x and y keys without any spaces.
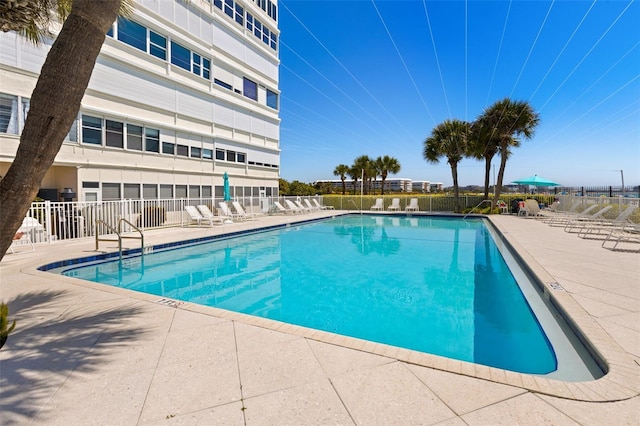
{"x":226,"y":211}
{"x":413,"y":206}
{"x":302,"y":207}
{"x":395,"y":205}
{"x":599,"y":227}
{"x":379,"y":205}
{"x":563,"y":219}
{"x":623,"y":235}
{"x":320,"y":206}
{"x":578,"y":221}
{"x":242,"y":213}
{"x":310,"y":206}
{"x":293,"y":207}
{"x":31,"y":230}
{"x":282,"y":209}
{"x":207,"y":213}
{"x":196,"y":216}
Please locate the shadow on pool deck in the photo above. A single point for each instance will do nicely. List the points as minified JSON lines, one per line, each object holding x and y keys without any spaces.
{"x":86,"y":354}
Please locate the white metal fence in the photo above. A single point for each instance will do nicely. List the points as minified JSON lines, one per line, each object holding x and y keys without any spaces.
{"x":53,"y":221}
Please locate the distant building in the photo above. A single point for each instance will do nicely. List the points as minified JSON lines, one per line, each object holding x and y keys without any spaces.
{"x":390,"y":185}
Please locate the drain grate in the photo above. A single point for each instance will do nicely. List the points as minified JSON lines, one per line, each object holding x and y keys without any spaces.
{"x":169,"y":302}
{"x":556,"y":286}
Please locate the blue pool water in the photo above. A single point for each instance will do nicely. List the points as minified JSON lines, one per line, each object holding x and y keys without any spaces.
{"x":435,"y":285}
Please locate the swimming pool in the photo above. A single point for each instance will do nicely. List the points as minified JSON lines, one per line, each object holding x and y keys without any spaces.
{"x":430,"y":284}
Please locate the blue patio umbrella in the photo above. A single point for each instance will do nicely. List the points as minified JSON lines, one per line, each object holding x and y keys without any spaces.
{"x":535,"y":180}
{"x":227,"y":189}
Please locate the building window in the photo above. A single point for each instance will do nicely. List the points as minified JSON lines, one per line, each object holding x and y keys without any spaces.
{"x":239,"y":14}
{"x":134,"y":137}
{"x":250,"y":22}
{"x":166,"y":191}
{"x":158,"y":45}
{"x":131,"y":191}
{"x":222,"y":83}
{"x":114,"y":134}
{"x":8,"y":114}
{"x":207,"y":154}
{"x":220,"y":154}
{"x":228,"y":8}
{"x":92,"y":130}
{"x":231,"y":156}
{"x":149,"y":191}
{"x":181,"y":191}
{"x":194,"y":191}
{"x":206,"y":191}
{"x":132,"y":33}
{"x":151,"y":140}
{"x":241,"y":158}
{"x":196,"y":152}
{"x":272,"y":99}
{"x":183,"y":150}
{"x":218,"y":4}
{"x":206,"y":68}
{"x":73,"y":132}
{"x":180,"y":56}
{"x":110,"y":191}
{"x":250,"y":89}
{"x":168,"y":148}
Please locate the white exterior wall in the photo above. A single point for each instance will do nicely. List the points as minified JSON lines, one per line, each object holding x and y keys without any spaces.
{"x":134,"y":87}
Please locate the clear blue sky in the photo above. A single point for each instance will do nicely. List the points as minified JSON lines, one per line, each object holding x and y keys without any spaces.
{"x":373,"y":78}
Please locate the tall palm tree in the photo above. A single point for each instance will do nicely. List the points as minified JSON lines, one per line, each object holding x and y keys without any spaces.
{"x":387,"y":165}
{"x":507,"y":121}
{"x":342,"y":170}
{"x":362,"y":166}
{"x":55,"y":101}
{"x":448,"y":139}
{"x":483,"y":145}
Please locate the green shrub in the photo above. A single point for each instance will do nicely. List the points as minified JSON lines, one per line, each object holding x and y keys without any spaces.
{"x":5,"y":328}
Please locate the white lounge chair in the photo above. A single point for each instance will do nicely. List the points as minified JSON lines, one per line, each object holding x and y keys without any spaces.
{"x":282,"y":209}
{"x":242,"y":213}
{"x":379,"y":205}
{"x":23,"y":237}
{"x":320,"y":206}
{"x":395,"y":205}
{"x":207,"y":213}
{"x":226,"y":211}
{"x":310,"y":206}
{"x":196,"y":216}
{"x":293,"y":207}
{"x":302,"y":207}
{"x":563,"y":219}
{"x":413,"y":206}
{"x":601,"y":226}
{"x":578,"y":221}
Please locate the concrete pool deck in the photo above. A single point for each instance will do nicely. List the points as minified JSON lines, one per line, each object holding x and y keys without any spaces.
{"x":84,"y":353}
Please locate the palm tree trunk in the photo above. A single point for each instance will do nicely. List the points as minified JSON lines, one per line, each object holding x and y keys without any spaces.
{"x":487,"y":173}
{"x":54,"y":105}
{"x":503,"y":164}
{"x":456,"y":191}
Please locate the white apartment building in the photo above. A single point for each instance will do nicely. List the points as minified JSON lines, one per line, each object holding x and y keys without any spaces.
{"x":181,"y":93}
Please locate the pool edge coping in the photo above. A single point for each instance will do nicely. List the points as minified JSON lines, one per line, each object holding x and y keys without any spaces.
{"x":613,"y":386}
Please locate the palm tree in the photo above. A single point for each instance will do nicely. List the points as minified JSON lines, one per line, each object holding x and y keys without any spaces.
{"x":482,"y":145}
{"x":387,"y":165}
{"x":448,"y":139}
{"x":361,"y":165}
{"x":342,"y":170}
{"x":55,"y":101}
{"x":506,"y":121}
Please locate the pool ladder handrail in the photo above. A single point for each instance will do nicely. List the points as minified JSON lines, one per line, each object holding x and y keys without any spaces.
{"x":479,"y":204}
{"x":119,"y":235}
